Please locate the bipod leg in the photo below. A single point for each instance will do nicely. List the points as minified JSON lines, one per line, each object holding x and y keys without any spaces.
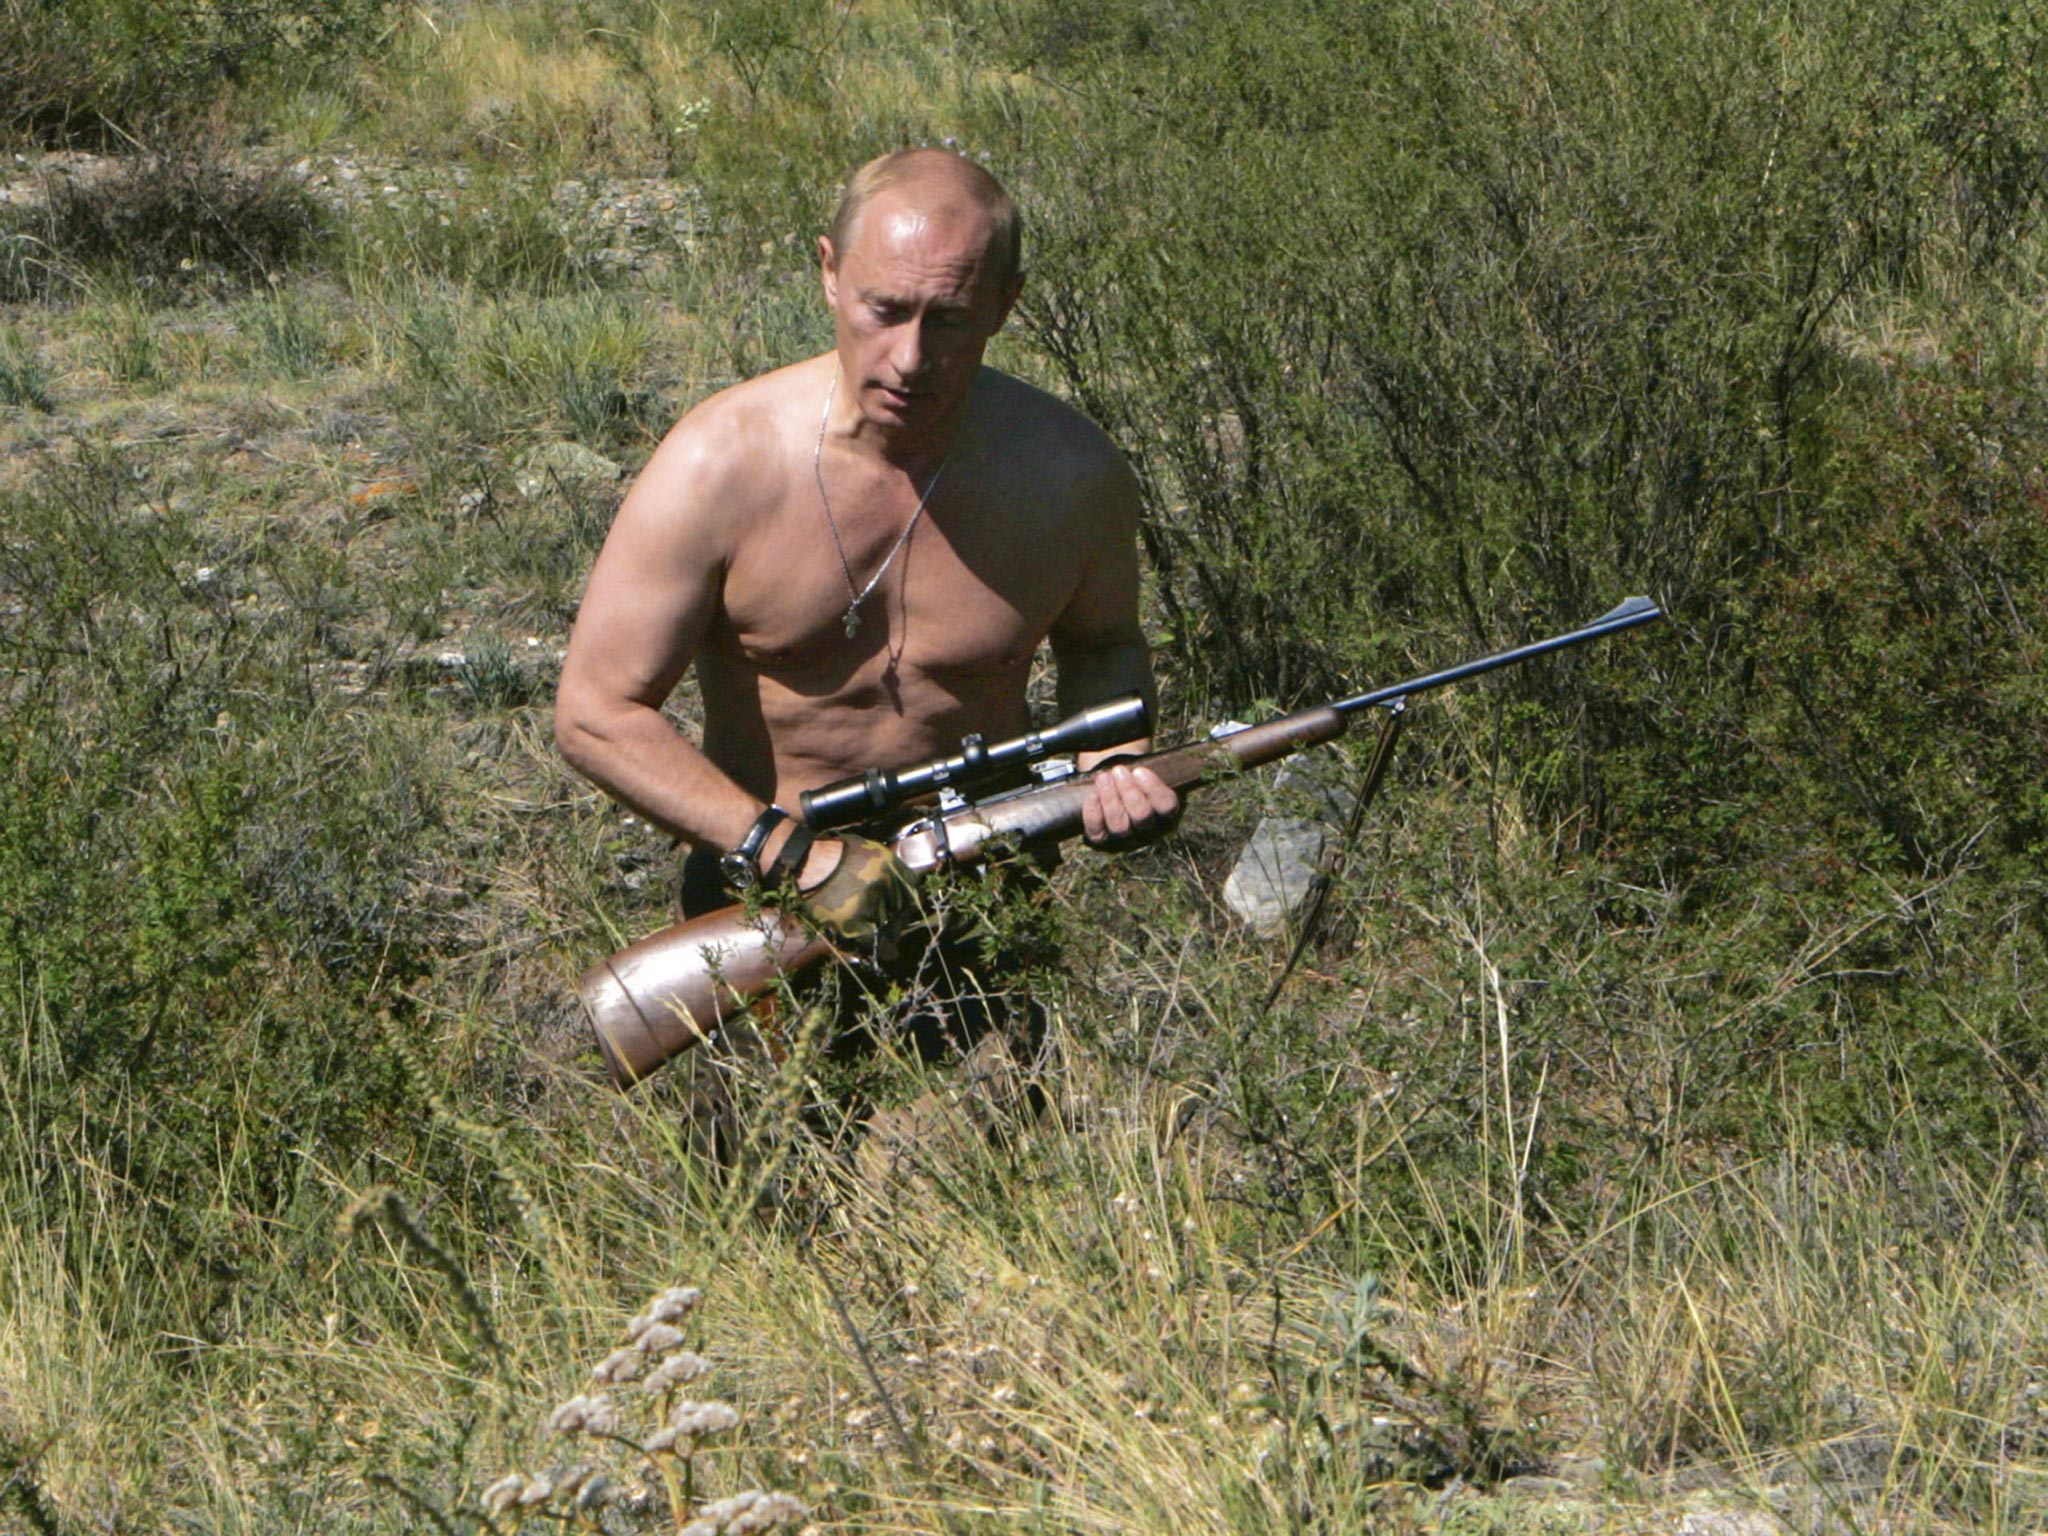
{"x":1332,"y":861}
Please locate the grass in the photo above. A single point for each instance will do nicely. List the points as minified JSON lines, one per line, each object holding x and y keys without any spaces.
{"x":1656,"y":1132}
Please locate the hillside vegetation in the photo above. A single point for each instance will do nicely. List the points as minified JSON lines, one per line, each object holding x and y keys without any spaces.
{"x":1654,"y":1139}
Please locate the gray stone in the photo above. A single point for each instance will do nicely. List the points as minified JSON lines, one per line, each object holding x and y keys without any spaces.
{"x":1582,"y":1471}
{"x":1531,"y":1486}
{"x":1728,"y":1522}
{"x":1277,"y":870}
{"x":569,"y":464}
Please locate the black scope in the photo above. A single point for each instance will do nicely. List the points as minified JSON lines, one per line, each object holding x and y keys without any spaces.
{"x":869,"y":794}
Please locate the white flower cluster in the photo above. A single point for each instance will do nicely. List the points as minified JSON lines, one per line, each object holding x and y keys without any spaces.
{"x":653,"y":1357}
{"x":584,"y":1489}
{"x":689,"y":1421}
{"x":659,"y":1339}
{"x":678,"y":1368}
{"x":594,"y":1414}
{"x":673,"y":1305}
{"x":745,"y":1513}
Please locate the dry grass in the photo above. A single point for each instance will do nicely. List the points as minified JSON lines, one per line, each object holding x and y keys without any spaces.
{"x":1329,"y":1268}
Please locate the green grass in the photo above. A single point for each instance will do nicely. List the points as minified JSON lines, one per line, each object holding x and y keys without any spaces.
{"x":1657,"y":1129}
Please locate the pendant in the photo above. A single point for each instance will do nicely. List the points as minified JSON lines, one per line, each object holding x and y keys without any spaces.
{"x":852,"y":621}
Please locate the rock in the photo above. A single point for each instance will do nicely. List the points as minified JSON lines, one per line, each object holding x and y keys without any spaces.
{"x":1275,"y":873}
{"x":1277,"y":870}
{"x":1531,"y":1486}
{"x":1582,"y":1471}
{"x":1728,"y":1522}
{"x":565,"y":464}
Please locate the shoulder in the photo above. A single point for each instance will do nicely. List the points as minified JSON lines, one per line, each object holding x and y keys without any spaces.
{"x":735,"y":446}
{"x":1054,"y":446}
{"x":715,"y":477}
{"x":1027,"y":412}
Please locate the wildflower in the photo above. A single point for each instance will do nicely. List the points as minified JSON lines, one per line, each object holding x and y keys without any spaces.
{"x":678,"y":1368}
{"x":499,"y":1496}
{"x":620,"y":1365}
{"x":595,"y":1415}
{"x":595,"y":1493}
{"x":585,"y":1488}
{"x":674,"y":1304}
{"x":694,"y":1419}
{"x":745,"y":1513}
{"x":574,"y":1479}
{"x":568,"y":1417}
{"x":658,"y":1339}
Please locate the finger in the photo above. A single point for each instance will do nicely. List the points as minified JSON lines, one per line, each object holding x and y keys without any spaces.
{"x":1160,"y":797}
{"x":1104,"y":816}
{"x":1092,"y":824}
{"x":1124,"y":802}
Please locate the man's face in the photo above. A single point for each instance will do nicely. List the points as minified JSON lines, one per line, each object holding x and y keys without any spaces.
{"x":914,"y":304}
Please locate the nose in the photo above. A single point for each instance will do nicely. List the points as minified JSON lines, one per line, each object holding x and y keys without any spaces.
{"x":906,"y":353}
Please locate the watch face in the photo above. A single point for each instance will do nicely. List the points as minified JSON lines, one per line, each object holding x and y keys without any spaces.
{"x":740,"y":870}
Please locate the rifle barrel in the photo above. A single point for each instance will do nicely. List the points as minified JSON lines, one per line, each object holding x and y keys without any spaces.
{"x":1626,"y":615}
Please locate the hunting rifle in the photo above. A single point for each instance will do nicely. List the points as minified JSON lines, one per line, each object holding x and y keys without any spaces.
{"x":661,"y":996}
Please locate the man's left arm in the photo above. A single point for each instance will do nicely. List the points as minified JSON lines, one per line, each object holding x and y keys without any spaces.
{"x":1099,"y":649}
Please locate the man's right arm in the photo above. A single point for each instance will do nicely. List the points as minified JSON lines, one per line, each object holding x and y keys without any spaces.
{"x":652,"y":595}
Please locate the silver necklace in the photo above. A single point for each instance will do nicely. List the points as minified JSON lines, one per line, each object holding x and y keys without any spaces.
{"x":858,"y":594}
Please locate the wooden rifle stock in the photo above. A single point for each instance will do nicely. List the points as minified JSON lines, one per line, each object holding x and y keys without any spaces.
{"x":655,"y":999}
{"x":674,"y":988}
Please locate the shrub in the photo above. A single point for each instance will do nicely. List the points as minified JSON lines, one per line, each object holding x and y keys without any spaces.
{"x":106,"y":72}
{"x":204,"y":907}
{"x":24,"y":379}
{"x":175,"y":220}
{"x":1494,"y":318}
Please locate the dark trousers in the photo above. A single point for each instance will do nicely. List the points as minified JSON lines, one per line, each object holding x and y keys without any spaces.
{"x":957,"y":991}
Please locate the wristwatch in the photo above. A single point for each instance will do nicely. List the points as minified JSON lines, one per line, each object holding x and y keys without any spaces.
{"x":742,"y":867}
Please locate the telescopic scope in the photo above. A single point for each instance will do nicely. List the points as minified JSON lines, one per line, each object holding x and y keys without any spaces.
{"x":847,"y":801}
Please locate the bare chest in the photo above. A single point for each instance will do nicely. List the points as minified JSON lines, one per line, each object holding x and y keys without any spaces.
{"x":967,"y":588}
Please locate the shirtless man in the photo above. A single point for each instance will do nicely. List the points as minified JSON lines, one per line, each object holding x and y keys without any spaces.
{"x":860,"y":554}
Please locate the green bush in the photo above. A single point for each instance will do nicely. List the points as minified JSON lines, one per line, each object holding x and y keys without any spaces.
{"x":206,"y":899}
{"x":167,"y":223}
{"x":1494,"y":318}
{"x":1458,"y":326}
{"x":107,"y":72}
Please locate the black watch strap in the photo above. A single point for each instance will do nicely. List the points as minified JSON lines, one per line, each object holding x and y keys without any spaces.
{"x":741,"y":867}
{"x":789,"y":862}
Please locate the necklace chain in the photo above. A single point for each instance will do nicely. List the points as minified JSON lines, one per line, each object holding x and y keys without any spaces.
{"x":858,"y":594}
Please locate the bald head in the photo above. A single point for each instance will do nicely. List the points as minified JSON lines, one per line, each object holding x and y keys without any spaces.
{"x":941,"y":185}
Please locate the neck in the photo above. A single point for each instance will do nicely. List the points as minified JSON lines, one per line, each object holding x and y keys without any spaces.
{"x":914,"y":451}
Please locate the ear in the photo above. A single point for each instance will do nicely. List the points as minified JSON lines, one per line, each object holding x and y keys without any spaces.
{"x":828,"y":269}
{"x":1009,"y":300}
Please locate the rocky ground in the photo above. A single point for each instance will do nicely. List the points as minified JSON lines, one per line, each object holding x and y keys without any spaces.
{"x":623,"y":224}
